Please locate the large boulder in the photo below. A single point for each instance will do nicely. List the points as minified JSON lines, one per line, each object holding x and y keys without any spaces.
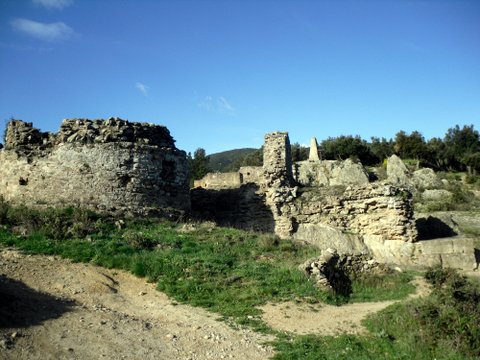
{"x":426,"y":179}
{"x":331,"y":173}
{"x":437,"y":195}
{"x":397,"y":172}
{"x":348,"y":173}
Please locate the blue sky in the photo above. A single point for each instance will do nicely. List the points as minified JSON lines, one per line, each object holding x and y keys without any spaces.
{"x":220,"y":74}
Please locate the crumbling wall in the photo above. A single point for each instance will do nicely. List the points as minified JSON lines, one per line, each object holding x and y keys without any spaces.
{"x":277,"y":160}
{"x":219,"y":181}
{"x":243,"y":207}
{"x":112,"y":165}
{"x":374,"y":209}
{"x":280,"y":189}
{"x":335,"y":211}
{"x":251,"y":174}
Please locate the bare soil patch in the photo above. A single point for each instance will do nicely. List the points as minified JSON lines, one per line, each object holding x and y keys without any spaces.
{"x":324,"y":319}
{"x":51,"y":308}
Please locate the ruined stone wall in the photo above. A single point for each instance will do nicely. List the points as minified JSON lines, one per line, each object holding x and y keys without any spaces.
{"x":277,"y":160}
{"x":243,"y":207}
{"x":251,"y":174}
{"x":231,"y":180}
{"x":112,"y":165}
{"x":374,"y":209}
{"x":334,"y":210}
{"x":279,"y":185}
{"x":219,"y":181}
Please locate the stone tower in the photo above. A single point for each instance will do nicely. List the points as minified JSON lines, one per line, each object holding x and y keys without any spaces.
{"x":277,"y":160}
{"x":280,"y":186}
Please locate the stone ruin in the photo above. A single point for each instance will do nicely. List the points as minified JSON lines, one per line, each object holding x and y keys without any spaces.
{"x":127,"y":168}
{"x":334,"y":271}
{"x":330,"y":204}
{"x":107,"y":165}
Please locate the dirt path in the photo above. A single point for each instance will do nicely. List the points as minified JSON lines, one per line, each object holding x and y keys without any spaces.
{"x":323,"y":319}
{"x":51,"y":308}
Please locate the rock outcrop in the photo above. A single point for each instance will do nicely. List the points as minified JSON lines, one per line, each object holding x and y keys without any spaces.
{"x":397,"y":172}
{"x":330,"y":173}
{"x":426,"y":179}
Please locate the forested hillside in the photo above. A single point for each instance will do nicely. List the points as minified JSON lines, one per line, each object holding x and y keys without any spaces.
{"x":222,"y":161}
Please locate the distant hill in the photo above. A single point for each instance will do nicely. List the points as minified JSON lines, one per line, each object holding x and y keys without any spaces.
{"x":221,"y":161}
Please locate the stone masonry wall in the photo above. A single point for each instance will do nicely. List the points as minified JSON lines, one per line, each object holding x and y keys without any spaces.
{"x":373,"y":209}
{"x":277,"y":160}
{"x":219,"y":181}
{"x":251,"y":174}
{"x":279,"y":185}
{"x":113,"y":165}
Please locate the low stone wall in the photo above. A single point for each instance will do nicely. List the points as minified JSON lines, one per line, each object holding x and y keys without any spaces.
{"x":242,"y":207}
{"x":219,"y":181}
{"x":251,"y":174}
{"x":112,"y":165}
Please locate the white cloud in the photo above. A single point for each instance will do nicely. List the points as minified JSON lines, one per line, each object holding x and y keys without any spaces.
{"x":142,"y":88}
{"x":46,"y":32}
{"x":206,"y":103}
{"x":219,"y":105}
{"x":53,"y":4}
{"x":224,"y":106}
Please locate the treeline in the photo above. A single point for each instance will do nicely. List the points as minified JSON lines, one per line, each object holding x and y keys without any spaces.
{"x":458,"y":150}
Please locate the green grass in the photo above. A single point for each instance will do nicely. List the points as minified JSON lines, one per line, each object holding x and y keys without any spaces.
{"x":225,"y":270}
{"x":311,"y":347}
{"x":443,"y":325}
{"x":228,"y":271}
{"x":393,"y":286}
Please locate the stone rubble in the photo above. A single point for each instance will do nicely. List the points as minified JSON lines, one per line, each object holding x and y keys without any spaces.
{"x":331,"y":265}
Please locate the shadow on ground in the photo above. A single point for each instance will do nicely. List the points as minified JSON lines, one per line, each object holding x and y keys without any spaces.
{"x":22,"y":306}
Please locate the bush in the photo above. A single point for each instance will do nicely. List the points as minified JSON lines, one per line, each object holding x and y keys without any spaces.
{"x":138,"y":240}
{"x":443,"y":325}
{"x":53,"y":223}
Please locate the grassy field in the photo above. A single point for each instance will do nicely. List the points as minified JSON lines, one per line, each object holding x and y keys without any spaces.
{"x":232,"y":272}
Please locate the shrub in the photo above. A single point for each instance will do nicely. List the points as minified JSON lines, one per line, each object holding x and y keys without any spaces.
{"x":53,"y":223}
{"x":443,"y":325}
{"x":138,"y":239}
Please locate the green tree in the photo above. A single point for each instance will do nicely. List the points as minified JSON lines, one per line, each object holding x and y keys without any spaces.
{"x":198,"y":165}
{"x":299,"y":153}
{"x":461,"y":144}
{"x":472,"y":162}
{"x":344,"y":147}
{"x":381,"y":148}
{"x":436,"y":154}
{"x":411,"y":146}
